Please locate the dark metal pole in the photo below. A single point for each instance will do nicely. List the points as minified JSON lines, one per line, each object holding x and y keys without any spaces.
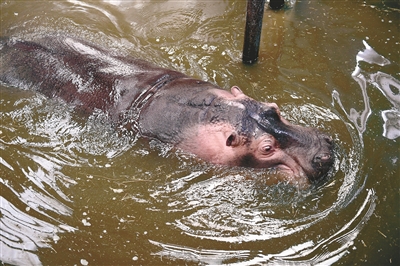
{"x":251,"y":46}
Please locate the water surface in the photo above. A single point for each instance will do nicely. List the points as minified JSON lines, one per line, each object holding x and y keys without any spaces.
{"x":75,"y":192}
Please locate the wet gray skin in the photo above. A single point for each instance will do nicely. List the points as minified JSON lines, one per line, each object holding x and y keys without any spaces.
{"x":221,"y":127}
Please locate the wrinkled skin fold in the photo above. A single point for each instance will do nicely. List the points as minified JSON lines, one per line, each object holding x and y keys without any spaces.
{"x":219,"y":126}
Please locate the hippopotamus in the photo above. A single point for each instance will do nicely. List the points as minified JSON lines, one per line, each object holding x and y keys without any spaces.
{"x":216,"y":125}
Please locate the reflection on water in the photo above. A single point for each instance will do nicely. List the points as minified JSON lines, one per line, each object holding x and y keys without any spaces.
{"x":388,"y":85}
{"x":39,"y":138}
{"x":75,"y":192}
{"x":22,"y":235}
{"x":328,"y":251}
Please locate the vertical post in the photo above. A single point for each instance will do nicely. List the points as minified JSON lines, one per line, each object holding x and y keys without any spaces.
{"x":251,"y":46}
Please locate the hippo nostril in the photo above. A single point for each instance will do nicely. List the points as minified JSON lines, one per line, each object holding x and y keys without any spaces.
{"x":322,"y":158}
{"x":328,"y":140}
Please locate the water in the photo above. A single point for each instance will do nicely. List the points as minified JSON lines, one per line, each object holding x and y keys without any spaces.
{"x":73,"y":191}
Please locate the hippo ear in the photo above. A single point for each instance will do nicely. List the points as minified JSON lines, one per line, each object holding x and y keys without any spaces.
{"x":233,"y":140}
{"x":236,"y":91}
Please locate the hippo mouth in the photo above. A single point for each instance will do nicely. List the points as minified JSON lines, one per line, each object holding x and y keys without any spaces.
{"x":291,"y":171}
{"x":293,"y":175}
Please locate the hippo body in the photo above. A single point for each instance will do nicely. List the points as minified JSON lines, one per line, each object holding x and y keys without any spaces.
{"x":222,"y":127}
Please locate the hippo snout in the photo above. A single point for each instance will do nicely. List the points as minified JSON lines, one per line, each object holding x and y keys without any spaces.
{"x":323,"y":159}
{"x":325,"y":154}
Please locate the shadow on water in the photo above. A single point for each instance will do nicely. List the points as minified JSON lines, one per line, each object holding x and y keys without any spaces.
{"x":74,"y":191}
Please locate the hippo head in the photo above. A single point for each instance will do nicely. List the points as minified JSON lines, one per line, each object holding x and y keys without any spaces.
{"x":293,"y":149}
{"x":248,"y":133}
{"x":273,"y":142}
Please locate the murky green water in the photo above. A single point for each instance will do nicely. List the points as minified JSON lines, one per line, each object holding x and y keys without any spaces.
{"x":73,"y":192}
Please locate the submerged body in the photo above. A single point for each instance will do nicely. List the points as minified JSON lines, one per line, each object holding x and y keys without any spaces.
{"x":221,"y":127}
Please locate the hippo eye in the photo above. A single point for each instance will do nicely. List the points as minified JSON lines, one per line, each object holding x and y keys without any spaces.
{"x":267,"y":149}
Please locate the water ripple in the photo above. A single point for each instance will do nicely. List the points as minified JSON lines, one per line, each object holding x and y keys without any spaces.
{"x":22,"y":235}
